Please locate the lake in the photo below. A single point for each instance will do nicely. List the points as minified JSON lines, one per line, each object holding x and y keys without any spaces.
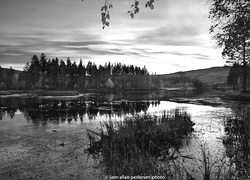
{"x":46,"y":137}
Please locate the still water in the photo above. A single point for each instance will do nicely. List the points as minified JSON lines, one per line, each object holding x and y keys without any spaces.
{"x":59,"y":124}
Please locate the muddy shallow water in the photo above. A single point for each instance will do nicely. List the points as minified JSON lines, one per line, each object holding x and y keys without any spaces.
{"x":38,"y":141}
{"x":43,"y":152}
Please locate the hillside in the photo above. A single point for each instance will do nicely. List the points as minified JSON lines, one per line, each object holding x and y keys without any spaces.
{"x":17,"y":80}
{"x":210,"y":76}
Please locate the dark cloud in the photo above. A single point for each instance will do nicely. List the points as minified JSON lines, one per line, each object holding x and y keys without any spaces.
{"x":21,"y":47}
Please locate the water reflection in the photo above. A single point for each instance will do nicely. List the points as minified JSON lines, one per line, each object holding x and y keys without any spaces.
{"x":53,"y":111}
{"x":208,"y":120}
{"x":89,"y":104}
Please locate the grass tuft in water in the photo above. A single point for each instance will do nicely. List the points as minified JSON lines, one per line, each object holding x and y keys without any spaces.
{"x":140,"y":145}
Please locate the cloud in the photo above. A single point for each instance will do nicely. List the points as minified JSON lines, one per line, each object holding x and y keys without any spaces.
{"x":27,"y":44}
{"x":174,"y":30}
{"x":172,"y":36}
{"x":180,"y":53}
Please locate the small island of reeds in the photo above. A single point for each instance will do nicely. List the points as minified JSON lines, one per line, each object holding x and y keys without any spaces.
{"x":140,"y":144}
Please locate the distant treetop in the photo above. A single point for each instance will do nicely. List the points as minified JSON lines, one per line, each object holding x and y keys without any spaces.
{"x":55,"y":67}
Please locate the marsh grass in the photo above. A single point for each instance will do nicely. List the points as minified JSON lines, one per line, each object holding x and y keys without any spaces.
{"x":203,"y":167}
{"x":211,"y":167}
{"x":237,"y":141}
{"x":142,"y":144}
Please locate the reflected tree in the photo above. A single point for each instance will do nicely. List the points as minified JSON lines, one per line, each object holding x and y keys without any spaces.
{"x":59,"y":111}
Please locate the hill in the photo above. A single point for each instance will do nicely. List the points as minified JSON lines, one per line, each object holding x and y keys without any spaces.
{"x":209,"y":76}
{"x":11,"y":79}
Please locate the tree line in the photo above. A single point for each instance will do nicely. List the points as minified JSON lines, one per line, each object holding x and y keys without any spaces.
{"x":43,"y":73}
{"x":43,"y":66}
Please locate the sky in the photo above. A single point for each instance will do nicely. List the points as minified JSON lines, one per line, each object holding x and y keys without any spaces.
{"x":172,"y":37}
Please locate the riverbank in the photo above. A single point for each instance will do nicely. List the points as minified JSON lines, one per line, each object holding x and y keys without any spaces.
{"x":236,"y":96}
{"x":14,"y":93}
{"x":212,"y":101}
{"x":214,"y":98}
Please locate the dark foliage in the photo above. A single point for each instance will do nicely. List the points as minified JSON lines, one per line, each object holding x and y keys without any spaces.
{"x":230,"y":26}
{"x":237,"y":140}
{"x":55,"y":74}
{"x":52,"y":67}
{"x":236,"y":74}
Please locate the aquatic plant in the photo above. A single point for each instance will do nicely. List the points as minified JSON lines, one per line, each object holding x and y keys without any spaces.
{"x":211,"y":167}
{"x":141,"y":144}
{"x":236,"y":141}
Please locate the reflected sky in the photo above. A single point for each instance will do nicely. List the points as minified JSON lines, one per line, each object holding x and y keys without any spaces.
{"x":208,"y":129}
{"x":208,"y":120}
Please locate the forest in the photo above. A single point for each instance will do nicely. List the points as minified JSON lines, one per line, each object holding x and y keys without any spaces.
{"x":43,"y":74}
{"x":42,"y":66}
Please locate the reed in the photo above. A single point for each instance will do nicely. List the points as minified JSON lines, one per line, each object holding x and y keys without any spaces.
{"x":140,"y":145}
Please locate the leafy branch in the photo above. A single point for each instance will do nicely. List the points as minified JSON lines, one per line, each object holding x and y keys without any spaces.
{"x":105,"y":13}
{"x":135,"y":7}
{"x":150,"y":4}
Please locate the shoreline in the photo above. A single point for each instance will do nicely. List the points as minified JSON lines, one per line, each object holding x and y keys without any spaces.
{"x":17,"y":93}
{"x":31,"y":93}
{"x":228,"y":96}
